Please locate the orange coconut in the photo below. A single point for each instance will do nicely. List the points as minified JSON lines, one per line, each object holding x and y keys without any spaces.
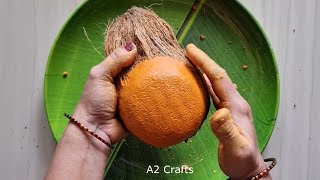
{"x":162,"y":101}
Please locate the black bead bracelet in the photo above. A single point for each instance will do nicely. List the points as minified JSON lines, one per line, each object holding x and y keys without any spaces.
{"x":81,"y":126}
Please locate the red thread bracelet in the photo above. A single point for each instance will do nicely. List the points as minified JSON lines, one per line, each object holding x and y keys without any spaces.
{"x":265,"y":172}
{"x":81,"y":126}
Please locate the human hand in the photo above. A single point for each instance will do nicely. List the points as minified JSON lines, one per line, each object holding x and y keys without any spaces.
{"x":98,"y":104}
{"x":232,"y":123}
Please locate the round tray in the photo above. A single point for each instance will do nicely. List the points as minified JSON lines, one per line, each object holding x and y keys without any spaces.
{"x":233,"y":39}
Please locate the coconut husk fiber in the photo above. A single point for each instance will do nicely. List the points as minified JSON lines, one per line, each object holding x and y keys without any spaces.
{"x":162,"y":98}
{"x":152,"y":35}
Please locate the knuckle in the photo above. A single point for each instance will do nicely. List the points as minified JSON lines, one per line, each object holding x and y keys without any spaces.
{"x":94,"y":73}
{"x":245,"y":107}
{"x":248,"y":154}
{"x":224,"y":104}
{"x":117,"y":56}
{"x":242,"y":106}
{"x":245,"y":153}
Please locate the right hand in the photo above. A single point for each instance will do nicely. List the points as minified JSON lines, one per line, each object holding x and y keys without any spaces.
{"x":232,"y":123}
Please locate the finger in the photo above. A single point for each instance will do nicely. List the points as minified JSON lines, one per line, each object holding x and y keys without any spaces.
{"x":227,"y":132}
{"x":213,"y":95}
{"x":115,"y":62}
{"x":221,"y":83}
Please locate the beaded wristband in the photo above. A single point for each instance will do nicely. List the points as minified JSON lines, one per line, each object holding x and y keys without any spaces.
{"x":81,"y":126}
{"x":265,"y":172}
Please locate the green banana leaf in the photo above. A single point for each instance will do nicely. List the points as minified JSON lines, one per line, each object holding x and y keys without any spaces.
{"x":233,"y":39}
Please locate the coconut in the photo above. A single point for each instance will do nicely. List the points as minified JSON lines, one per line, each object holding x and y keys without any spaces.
{"x":162,"y":97}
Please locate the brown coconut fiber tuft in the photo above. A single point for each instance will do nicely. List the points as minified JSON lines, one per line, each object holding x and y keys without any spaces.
{"x":162,"y":97}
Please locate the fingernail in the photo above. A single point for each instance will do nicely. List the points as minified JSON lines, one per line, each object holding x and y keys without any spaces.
{"x":129,"y":46}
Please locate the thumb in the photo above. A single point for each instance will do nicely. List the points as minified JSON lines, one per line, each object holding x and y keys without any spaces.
{"x":115,"y":62}
{"x":224,"y":128}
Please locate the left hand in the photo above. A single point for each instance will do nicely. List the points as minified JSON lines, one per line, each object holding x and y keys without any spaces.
{"x":98,"y":104}
{"x":238,"y":153}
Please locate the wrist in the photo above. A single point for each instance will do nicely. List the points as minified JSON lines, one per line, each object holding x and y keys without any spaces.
{"x":93,"y":143}
{"x":260,"y":167}
{"x":84,"y":141}
{"x":86,"y":153}
{"x":92,"y":122}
